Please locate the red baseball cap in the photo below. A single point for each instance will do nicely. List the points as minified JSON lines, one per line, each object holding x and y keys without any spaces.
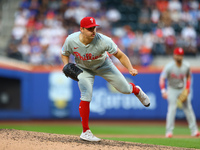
{"x":178,"y":51}
{"x":88,"y":22}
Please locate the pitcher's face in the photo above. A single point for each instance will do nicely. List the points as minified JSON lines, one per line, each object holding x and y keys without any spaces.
{"x":88,"y":32}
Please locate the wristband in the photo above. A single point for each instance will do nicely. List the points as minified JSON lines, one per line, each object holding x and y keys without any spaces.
{"x":163,"y":91}
{"x":188,"y":84}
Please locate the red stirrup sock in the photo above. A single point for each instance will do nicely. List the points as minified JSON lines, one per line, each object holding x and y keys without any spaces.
{"x":135,"y":89}
{"x":84,"y":110}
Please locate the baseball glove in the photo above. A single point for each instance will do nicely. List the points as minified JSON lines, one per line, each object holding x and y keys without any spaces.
{"x":72,"y":71}
{"x":182,"y":98}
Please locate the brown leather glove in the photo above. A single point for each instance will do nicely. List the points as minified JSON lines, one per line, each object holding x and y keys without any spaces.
{"x":182,"y":98}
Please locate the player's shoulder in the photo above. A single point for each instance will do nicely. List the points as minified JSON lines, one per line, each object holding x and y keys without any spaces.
{"x":186,"y":63}
{"x":170,"y":64}
{"x":73,"y":35}
{"x":102,"y":37}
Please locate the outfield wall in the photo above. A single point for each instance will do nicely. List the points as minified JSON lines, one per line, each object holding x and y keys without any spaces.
{"x":33,"y":94}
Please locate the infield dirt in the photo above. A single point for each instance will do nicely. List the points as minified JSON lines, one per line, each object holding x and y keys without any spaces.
{"x":12,"y":139}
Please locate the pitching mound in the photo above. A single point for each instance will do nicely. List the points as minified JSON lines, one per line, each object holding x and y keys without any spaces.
{"x":17,"y":140}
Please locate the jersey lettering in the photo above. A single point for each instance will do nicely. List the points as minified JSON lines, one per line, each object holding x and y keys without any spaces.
{"x":181,"y":76}
{"x":87,"y":56}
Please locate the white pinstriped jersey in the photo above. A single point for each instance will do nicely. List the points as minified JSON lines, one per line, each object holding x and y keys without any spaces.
{"x":176,"y":76}
{"x":89,"y":56}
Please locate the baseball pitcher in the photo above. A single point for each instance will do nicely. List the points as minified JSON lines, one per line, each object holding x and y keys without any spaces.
{"x":90,"y":51}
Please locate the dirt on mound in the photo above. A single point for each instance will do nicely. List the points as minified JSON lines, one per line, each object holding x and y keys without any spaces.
{"x":12,"y":139}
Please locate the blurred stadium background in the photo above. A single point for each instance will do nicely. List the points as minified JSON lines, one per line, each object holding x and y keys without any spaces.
{"x":32,"y":32}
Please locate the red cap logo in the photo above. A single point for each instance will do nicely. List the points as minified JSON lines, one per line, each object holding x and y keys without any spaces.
{"x":88,"y":22}
{"x":178,"y":51}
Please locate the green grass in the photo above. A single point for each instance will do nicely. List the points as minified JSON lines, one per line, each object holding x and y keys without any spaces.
{"x":118,"y":129}
{"x":138,"y":130}
{"x":175,"y":142}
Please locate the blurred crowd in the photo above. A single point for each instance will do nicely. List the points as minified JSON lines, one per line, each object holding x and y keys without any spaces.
{"x":141,"y":28}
